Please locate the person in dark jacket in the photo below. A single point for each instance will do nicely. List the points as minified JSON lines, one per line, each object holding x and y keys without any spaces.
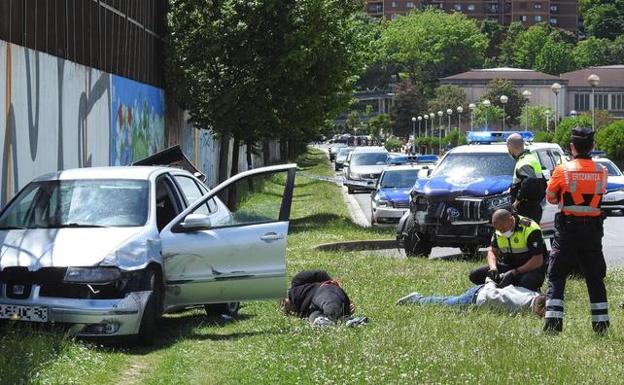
{"x":313,"y":294}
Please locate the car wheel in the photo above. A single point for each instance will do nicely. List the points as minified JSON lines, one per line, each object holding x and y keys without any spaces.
{"x":416,"y":244}
{"x":470,"y":252}
{"x":152,"y":311}
{"x":350,"y":190}
{"x":229,"y":308}
{"x":372,"y":219}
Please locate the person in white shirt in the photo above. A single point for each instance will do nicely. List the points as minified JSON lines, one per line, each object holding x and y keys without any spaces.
{"x":511,"y":298}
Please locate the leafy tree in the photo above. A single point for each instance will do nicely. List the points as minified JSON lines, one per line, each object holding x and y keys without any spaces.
{"x":555,"y":58}
{"x":544,"y":137}
{"x":508,"y":46}
{"x":493,"y":114}
{"x":529,"y":44}
{"x":499,"y":87}
{"x":537,"y":118}
{"x":611,"y":140}
{"x":564,"y":129}
{"x":603,"y":118}
{"x":448,"y":96}
{"x":408,"y":102}
{"x":431,"y":44}
{"x":393,"y":144}
{"x":603,"y":19}
{"x":594,"y":52}
{"x":495,"y":32}
{"x":378,"y":124}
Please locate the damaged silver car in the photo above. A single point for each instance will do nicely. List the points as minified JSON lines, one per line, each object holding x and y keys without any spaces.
{"x":108,"y":250}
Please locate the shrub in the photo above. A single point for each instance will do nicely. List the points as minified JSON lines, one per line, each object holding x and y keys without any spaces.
{"x":611,"y":140}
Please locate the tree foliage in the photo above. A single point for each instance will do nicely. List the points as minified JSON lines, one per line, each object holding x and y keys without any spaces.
{"x":431,"y":44}
{"x":408,"y":103}
{"x":611,"y":140}
{"x":487,"y":118}
{"x":499,"y":87}
{"x":555,"y":58}
{"x":564,"y":129}
{"x":603,"y":18}
{"x":448,"y":96}
{"x":537,"y":118}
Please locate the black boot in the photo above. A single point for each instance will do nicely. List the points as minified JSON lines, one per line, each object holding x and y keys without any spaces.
{"x":553,"y":325}
{"x":600,"y":328}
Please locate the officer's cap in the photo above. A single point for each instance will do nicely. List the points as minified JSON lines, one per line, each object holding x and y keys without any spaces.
{"x":582,"y":134}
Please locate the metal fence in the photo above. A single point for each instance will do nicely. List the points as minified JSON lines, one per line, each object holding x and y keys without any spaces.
{"x":123,"y":37}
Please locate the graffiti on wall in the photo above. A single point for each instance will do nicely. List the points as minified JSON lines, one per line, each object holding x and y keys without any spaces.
{"x":137,"y":121}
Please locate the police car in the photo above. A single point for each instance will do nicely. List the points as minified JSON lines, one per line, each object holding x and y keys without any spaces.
{"x":391,"y":199}
{"x":613,"y":200}
{"x":452,"y":207}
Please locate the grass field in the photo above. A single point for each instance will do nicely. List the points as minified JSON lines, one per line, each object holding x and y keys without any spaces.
{"x":401,"y":345}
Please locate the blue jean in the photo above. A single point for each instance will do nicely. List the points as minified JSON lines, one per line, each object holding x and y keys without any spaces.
{"x":463,"y":299}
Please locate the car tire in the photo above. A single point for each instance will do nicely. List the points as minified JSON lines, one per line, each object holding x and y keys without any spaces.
{"x":372,"y":219}
{"x":350,"y":190}
{"x":229,"y":308}
{"x":152,"y":310}
{"x":470,"y":252}
{"x":416,"y":245}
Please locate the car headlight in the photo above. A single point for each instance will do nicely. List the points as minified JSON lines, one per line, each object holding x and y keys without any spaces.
{"x":92,"y":275}
{"x":382,"y":203}
{"x":498,"y":201}
{"x":355,"y":175}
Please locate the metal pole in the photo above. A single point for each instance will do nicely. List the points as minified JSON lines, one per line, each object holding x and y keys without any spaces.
{"x":556,"y":111}
{"x":459,"y":122}
{"x":449,"y":125}
{"x":471,"y":120}
{"x":486,"y":118}
{"x":504,"y":113}
{"x":527,"y":117}
{"x":440,"y":137}
{"x":419,"y":134}
{"x":593,"y":103}
{"x":414,"y":130}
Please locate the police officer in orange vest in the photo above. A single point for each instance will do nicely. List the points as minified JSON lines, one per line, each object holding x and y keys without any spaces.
{"x":577,"y":186}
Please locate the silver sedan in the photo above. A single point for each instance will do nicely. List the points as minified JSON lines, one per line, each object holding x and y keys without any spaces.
{"x":109,"y":250}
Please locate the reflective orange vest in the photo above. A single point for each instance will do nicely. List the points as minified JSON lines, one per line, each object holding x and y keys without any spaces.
{"x":578,"y":186}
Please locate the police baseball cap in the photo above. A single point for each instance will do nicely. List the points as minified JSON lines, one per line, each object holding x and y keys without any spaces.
{"x":582,"y":134}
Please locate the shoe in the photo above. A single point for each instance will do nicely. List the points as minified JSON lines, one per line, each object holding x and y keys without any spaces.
{"x":600,"y":328}
{"x":410,"y":298}
{"x":553,"y":326}
{"x":356,"y":321}
{"x":322,"y":322}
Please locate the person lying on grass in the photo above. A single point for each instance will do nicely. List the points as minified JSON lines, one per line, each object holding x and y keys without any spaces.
{"x":511,"y":298}
{"x":313,"y":294}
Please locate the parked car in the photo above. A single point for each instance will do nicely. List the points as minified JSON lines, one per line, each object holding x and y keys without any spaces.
{"x":453,"y":206}
{"x":395,"y":159}
{"x":363,"y":167}
{"x":392,"y":197}
{"x":333,"y":150}
{"x":613,"y":200}
{"x":109,"y":250}
{"x":341,"y":157}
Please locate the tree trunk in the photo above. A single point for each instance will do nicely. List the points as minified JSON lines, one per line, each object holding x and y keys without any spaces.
{"x":249,"y":149}
{"x":232,"y":196}
{"x":224,"y":152}
{"x":284,"y":150}
{"x":266,"y":153}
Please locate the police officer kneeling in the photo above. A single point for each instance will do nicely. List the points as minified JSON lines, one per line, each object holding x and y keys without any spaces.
{"x":516,"y":255}
{"x":578,"y":186}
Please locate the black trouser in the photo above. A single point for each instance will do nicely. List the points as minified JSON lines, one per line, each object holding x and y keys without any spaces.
{"x":530,"y":210}
{"x":531,"y":280}
{"x":577,"y":240}
{"x":329,"y":301}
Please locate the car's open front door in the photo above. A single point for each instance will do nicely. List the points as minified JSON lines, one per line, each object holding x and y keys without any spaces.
{"x":236,"y":250}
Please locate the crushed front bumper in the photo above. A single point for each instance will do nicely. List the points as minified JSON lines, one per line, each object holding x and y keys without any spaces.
{"x":388,"y":214}
{"x":88,"y":317}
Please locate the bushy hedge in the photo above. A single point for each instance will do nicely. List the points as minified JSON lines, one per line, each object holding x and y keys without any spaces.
{"x":611,"y":140}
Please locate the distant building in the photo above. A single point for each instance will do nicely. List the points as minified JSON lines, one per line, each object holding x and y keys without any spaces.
{"x":609,"y":94}
{"x":558,"y":13}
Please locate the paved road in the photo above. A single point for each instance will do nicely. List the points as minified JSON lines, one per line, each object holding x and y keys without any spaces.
{"x":613,"y":241}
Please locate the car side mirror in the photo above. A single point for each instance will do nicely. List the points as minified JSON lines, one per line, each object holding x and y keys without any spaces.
{"x":194,"y":222}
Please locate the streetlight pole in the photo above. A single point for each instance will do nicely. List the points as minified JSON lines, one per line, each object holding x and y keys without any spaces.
{"x":440,"y":114}
{"x":472,"y":107}
{"x":527,"y":96}
{"x":593,"y":81}
{"x":460,"y":109}
{"x":486,"y":104}
{"x":419,"y":124}
{"x":556,"y":87}
{"x":547,"y":113}
{"x":504,"y":99}
{"x":426,"y":119}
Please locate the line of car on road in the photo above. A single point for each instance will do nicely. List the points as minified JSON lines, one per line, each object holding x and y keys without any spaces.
{"x":449,"y":202}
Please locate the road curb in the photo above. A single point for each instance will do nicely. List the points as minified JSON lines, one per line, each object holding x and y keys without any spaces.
{"x":357,"y":215}
{"x":382,"y":244}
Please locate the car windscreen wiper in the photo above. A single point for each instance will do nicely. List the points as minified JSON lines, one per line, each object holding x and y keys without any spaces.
{"x":13,"y":228}
{"x":72,"y":225}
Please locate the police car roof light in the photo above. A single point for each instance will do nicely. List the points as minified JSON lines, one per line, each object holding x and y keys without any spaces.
{"x":598,"y":154}
{"x":487,"y":137}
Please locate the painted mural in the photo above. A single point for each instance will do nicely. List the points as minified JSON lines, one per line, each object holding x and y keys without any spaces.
{"x":137,"y":121}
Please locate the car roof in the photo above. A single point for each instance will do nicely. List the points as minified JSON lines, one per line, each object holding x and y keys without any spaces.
{"x":499,"y":148}
{"x":370,"y":149}
{"x":114,"y":172}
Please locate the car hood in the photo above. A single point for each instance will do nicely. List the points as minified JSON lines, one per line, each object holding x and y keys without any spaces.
{"x":615,"y":183}
{"x":395,"y":194}
{"x":37,"y":248}
{"x":371,"y":169}
{"x":441,"y":186}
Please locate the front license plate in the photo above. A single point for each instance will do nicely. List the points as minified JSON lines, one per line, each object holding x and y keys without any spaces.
{"x":24,"y":313}
{"x":608,"y":199}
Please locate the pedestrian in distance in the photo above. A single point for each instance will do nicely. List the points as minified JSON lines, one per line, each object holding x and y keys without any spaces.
{"x":528,"y":184}
{"x":577,"y":187}
{"x":516,"y":253}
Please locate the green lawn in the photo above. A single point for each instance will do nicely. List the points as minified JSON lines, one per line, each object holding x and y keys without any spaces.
{"x":401,"y":345}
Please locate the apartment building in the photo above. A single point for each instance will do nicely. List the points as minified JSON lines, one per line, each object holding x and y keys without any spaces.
{"x":559,"y":13}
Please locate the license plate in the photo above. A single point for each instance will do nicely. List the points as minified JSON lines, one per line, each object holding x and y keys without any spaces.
{"x":607,"y":198}
{"x":24,"y":313}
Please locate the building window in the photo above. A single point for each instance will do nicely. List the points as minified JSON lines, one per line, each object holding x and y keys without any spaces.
{"x":523,"y":18}
{"x":617,"y":102}
{"x":553,"y":21}
{"x":410,"y":4}
{"x":581,"y":102}
{"x":457,"y":7}
{"x":537,"y":18}
{"x":471,"y":7}
{"x":537,"y":5}
{"x":601,"y":101}
{"x":394,"y":4}
{"x":554,"y":8}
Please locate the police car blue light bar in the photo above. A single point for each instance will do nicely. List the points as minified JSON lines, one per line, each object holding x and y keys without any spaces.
{"x":487,"y":137}
{"x":598,"y":154}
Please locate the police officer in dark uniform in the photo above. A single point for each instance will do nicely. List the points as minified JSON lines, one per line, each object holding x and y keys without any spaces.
{"x":528,"y":183}
{"x":516,"y":255}
{"x":578,"y":186}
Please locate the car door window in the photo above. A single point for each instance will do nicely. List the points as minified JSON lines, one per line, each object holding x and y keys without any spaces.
{"x":256,"y":199}
{"x":545,"y":160}
{"x":192,"y":193}
{"x":556,"y":156}
{"x":166,"y":206}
